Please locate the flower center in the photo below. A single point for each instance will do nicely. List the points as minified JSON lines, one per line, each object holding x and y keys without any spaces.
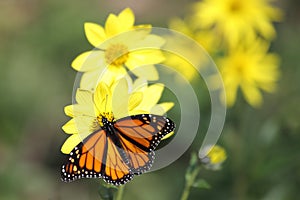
{"x":116,"y":54}
{"x":108,"y":115}
{"x":235,"y":6}
{"x":241,"y":68}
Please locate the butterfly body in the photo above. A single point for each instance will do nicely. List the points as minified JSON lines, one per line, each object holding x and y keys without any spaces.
{"x":118,"y":150}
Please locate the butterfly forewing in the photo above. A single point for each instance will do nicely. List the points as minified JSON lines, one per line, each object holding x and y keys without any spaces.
{"x":139,"y":136}
{"x":96,"y":156}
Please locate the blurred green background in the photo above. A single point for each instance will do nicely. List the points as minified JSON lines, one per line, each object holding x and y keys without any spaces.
{"x":38,"y":41}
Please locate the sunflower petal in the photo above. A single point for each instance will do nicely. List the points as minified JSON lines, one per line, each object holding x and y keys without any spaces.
{"x":94,"y":33}
{"x":89,"y":60}
{"x":120,"y":99}
{"x":134,"y":100}
{"x":162,"y":108}
{"x":72,"y":142}
{"x":70,"y":127}
{"x":102,"y":98}
{"x":144,"y":57}
{"x":84,"y":97}
{"x":252,"y":95}
{"x":148,"y":72}
{"x":126,"y":19}
{"x":168,"y":135}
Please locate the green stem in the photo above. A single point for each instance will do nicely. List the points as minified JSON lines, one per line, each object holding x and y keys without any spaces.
{"x":189,"y":183}
{"x":119,"y":194}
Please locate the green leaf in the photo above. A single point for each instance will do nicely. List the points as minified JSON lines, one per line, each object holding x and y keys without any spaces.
{"x":201,"y":184}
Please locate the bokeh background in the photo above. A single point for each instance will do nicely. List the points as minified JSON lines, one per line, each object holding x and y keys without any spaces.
{"x":38,"y":41}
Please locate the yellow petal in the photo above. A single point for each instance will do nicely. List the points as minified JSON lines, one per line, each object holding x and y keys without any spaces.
{"x":139,"y":84}
{"x":94,"y":33}
{"x":72,"y":142}
{"x":84,"y":97}
{"x":109,"y":75}
{"x":134,"y":100}
{"x":70,"y":127}
{"x":267,"y":29}
{"x":153,"y":93}
{"x":121,"y":23}
{"x":148,"y":72}
{"x":162,"y":108}
{"x":89,"y":80}
{"x":143,"y":26}
{"x":150,"y":41}
{"x":111,"y":25}
{"x":151,"y":96}
{"x":126,"y":19}
{"x":102,"y":98}
{"x":112,"y":74}
{"x":69,"y":110}
{"x":79,"y":124}
{"x":131,"y":39}
{"x":88,"y":61}
{"x":168,"y":135}
{"x":217,"y":154}
{"x":79,"y":110}
{"x":120,"y":99}
{"x":252,"y":95}
{"x":181,"y":26}
{"x":144,"y":57}
{"x":231,"y":93}
{"x":137,"y":112}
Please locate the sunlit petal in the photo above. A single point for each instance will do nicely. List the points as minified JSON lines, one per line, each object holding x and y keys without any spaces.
{"x":94,"y":33}
{"x":88,"y":61}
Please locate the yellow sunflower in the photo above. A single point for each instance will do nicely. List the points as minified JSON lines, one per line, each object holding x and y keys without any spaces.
{"x":119,"y":46}
{"x":120,"y":100}
{"x":250,"y":68}
{"x":236,"y":19}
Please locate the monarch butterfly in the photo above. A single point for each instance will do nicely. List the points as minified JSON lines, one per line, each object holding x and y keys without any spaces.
{"x":119,"y":150}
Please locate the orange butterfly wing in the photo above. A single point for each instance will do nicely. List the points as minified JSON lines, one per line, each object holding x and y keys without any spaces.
{"x":139,"y":136}
{"x":97,"y":156}
{"x":126,"y":149}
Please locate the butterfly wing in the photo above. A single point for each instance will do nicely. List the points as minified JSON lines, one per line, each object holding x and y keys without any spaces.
{"x":97,"y":156}
{"x":139,"y":135}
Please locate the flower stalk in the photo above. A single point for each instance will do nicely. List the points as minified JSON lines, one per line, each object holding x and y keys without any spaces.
{"x":120,"y":192}
{"x":189,"y":183}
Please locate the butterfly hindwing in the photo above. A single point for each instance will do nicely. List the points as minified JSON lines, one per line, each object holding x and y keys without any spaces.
{"x":116,"y":165}
{"x":139,"y":136}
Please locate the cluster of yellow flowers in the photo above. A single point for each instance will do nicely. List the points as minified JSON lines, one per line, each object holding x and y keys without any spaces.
{"x":115,"y":73}
{"x":114,"y":76}
{"x":237,"y":34}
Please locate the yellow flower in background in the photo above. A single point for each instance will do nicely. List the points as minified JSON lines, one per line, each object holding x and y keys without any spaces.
{"x":235,"y":19}
{"x":120,"y":100}
{"x":182,"y":26}
{"x":186,"y":59}
{"x":120,"y":46}
{"x":214,"y":158}
{"x":250,"y":68}
{"x":205,"y":38}
{"x":181,"y":65}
